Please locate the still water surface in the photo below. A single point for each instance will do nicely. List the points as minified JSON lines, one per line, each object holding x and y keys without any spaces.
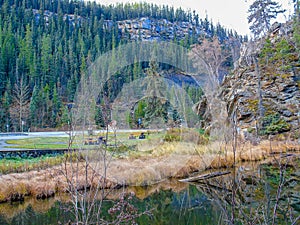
{"x":188,"y":206}
{"x":179,"y":203}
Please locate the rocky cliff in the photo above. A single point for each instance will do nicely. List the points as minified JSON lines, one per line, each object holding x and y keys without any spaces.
{"x":264,"y":89}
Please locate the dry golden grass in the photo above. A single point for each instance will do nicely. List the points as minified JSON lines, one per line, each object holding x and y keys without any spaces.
{"x":248,"y":152}
{"x":176,"y":159}
{"x":33,"y":183}
{"x":171,"y":160}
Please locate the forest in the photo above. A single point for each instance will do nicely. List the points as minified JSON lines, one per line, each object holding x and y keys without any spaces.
{"x":46,"y":47}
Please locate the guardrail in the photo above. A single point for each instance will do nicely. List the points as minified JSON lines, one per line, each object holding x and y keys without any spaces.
{"x":13,"y":134}
{"x":32,"y":153}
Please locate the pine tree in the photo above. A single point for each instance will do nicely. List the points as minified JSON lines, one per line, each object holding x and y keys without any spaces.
{"x":296,"y":33}
{"x":47,"y":106}
{"x":46,"y":59}
{"x":4,"y":108}
{"x":26,"y":51}
{"x":56,"y":107}
{"x":34,"y":106}
{"x":261,"y":12}
{"x":140,"y":110}
{"x":137,"y":70}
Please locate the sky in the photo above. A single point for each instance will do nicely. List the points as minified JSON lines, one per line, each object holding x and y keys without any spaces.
{"x":231,"y":14}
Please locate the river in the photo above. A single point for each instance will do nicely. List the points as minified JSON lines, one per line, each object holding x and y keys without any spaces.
{"x":187,"y":206}
{"x":173,"y":202}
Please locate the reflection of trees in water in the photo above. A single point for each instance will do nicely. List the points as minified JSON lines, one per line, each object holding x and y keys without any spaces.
{"x":187,"y":207}
{"x":209,"y":201}
{"x":32,"y":217}
{"x":246,"y":197}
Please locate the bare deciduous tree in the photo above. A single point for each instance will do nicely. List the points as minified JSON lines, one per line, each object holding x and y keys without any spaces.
{"x":85,"y":169}
{"x":209,"y":57}
{"x":20,"y":106}
{"x":212,"y":55}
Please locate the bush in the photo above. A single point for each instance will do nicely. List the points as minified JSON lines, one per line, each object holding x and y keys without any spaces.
{"x":274,"y":124}
{"x":187,"y":135}
{"x":119,"y":149}
{"x":173,"y":135}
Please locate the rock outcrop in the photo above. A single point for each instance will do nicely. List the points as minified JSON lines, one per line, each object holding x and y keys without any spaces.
{"x":276,"y":80}
{"x":263,"y":91}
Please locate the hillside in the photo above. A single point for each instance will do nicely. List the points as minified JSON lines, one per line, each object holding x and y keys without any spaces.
{"x":47,"y":46}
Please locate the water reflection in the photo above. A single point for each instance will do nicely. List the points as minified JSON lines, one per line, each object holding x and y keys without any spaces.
{"x":266,"y":194}
{"x":172,"y":203}
{"x":179,"y":203}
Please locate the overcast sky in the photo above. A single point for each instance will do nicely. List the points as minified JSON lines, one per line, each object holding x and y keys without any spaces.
{"x":230,"y":13}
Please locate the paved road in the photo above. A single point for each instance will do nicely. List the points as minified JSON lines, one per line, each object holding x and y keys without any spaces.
{"x":3,"y":139}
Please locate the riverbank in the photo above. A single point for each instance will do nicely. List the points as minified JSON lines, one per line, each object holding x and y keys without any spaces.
{"x":140,"y":168}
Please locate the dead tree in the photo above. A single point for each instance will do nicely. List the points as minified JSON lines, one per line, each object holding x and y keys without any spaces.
{"x":20,"y":106}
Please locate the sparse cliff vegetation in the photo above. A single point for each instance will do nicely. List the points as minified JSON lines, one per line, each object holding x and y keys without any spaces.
{"x":278,"y":62}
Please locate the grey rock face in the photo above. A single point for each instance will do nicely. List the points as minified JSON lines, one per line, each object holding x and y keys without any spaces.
{"x":280,"y":94}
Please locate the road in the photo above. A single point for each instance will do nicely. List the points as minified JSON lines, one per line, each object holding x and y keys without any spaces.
{"x":4,"y":137}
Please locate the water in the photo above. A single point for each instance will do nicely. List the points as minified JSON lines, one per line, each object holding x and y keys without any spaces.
{"x":178,"y":203}
{"x":188,"y":206}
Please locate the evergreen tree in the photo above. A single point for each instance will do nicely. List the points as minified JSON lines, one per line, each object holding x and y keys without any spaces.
{"x":4,"y":110}
{"x":56,"y":109}
{"x":46,"y":58}
{"x":296,"y":33}
{"x":261,"y":12}
{"x":26,"y":51}
{"x":139,"y":113}
{"x":34,"y":107}
{"x":43,"y":42}
{"x":137,"y":70}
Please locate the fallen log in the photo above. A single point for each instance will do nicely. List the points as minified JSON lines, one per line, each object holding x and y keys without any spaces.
{"x":205,"y":176}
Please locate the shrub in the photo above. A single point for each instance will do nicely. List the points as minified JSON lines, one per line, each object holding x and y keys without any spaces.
{"x":187,"y":135}
{"x":274,"y":124}
{"x":173,"y":135}
{"x":119,"y":149}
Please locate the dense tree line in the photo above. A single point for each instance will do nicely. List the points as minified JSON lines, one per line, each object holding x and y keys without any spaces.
{"x":46,"y":46}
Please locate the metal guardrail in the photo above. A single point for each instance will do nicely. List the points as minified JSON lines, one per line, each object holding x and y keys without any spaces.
{"x":13,"y":134}
{"x":33,"y":153}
